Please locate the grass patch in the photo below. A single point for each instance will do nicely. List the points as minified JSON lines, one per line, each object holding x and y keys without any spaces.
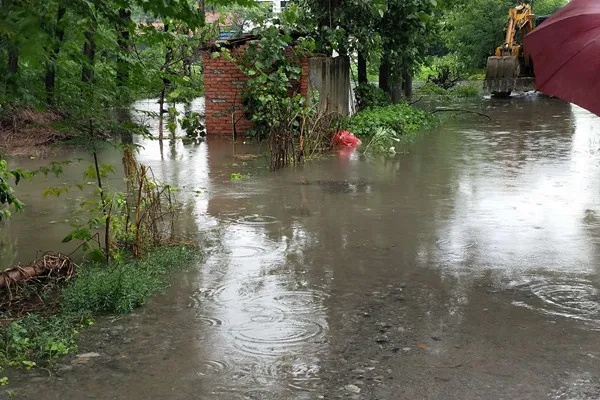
{"x":97,"y":289}
{"x":464,"y":90}
{"x":382,"y":129}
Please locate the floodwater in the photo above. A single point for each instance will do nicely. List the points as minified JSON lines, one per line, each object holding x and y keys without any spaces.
{"x":466,"y":268}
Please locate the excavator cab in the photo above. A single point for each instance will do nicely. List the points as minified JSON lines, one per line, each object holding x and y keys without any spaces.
{"x":511,"y":68}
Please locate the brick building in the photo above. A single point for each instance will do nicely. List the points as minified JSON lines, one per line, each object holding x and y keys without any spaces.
{"x":223,"y":86}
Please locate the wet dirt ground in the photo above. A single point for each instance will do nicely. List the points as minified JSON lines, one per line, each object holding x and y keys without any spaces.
{"x":466,"y":268}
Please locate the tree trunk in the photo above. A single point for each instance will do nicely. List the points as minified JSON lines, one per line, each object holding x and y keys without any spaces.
{"x":384,"y":74}
{"x":49,"y":265}
{"x":166,"y":81}
{"x":124,"y":118}
{"x":13,"y":66}
{"x":396,"y":92}
{"x":13,"y":59}
{"x":59,"y":36}
{"x":12,"y":54}
{"x":408,"y":83}
{"x":123,"y":41}
{"x":89,"y":52}
{"x":362,"y":69}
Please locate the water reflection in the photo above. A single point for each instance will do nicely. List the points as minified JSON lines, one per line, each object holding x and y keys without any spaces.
{"x":472,"y":258}
{"x":271,"y":327}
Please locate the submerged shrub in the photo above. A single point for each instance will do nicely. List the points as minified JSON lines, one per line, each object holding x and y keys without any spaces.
{"x":431,"y":89}
{"x":381,"y":129}
{"x":96,"y":289}
{"x":401,"y":119}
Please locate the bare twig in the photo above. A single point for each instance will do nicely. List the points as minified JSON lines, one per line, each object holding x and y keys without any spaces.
{"x":461,"y":111}
{"x":412,"y":103}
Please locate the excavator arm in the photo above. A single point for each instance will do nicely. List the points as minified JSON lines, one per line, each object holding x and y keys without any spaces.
{"x":510,"y":69}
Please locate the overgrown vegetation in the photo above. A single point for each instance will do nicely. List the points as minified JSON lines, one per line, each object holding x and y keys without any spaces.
{"x":97,"y":289}
{"x":8,"y":199}
{"x":382,"y":129}
{"x":370,"y":96}
{"x":463,"y":90}
{"x":294,"y":125}
{"x":48,"y":304}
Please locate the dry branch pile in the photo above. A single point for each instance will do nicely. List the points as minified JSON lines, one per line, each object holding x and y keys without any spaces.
{"x":27,"y":288}
{"x":25,"y":131}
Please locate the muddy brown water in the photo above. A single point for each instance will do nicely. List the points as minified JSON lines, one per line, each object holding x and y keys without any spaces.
{"x":466,"y":268}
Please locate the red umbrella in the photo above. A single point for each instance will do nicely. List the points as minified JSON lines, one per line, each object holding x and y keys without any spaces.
{"x":566,"y":54}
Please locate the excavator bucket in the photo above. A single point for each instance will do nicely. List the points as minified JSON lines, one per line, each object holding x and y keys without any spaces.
{"x":502,"y":76}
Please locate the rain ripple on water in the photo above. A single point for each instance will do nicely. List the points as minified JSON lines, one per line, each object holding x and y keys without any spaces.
{"x":256,"y":220}
{"x":576,"y":298}
{"x":248,"y":220}
{"x":213,"y":368}
{"x":278,"y":338}
{"x":261,"y":290}
{"x":297,"y":372}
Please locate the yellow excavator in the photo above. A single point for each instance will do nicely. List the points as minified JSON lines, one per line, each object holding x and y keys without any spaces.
{"x":511,"y":69}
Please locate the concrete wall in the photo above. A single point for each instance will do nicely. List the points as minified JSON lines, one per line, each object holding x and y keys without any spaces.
{"x":331,"y":78}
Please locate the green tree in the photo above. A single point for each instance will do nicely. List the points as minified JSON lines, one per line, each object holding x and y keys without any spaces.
{"x":547,"y":7}
{"x":393,"y":31}
{"x":8,"y":198}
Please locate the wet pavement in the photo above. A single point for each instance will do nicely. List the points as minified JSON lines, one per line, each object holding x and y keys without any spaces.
{"x":466,"y":268}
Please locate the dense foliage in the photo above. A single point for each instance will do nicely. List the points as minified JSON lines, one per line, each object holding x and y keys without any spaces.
{"x":370,"y":96}
{"x":382,"y":129}
{"x":392,"y":33}
{"x":293,"y":122}
{"x":7,"y":194}
{"x":273,"y":65}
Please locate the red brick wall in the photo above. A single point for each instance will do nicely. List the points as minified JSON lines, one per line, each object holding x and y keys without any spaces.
{"x":223,"y":85}
{"x":304,"y":77}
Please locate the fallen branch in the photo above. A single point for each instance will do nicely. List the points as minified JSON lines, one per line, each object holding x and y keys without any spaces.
{"x":412,"y":103}
{"x":49,"y":264}
{"x":459,"y":110}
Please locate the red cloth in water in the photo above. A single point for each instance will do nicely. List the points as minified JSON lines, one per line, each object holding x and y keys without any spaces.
{"x":346,"y":139}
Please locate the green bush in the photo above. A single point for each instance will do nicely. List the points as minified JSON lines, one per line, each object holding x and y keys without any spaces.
{"x":35,"y":337}
{"x":122,"y":287}
{"x":370,"y":96}
{"x":469,"y":90}
{"x":97,"y":289}
{"x":476,"y":76}
{"x":464,"y":90}
{"x":402,"y":119}
{"x":444,"y":71}
{"x":381,"y":129}
{"x":431,"y":89}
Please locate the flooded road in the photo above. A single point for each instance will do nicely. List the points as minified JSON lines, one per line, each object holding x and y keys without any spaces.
{"x":467,"y":268}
